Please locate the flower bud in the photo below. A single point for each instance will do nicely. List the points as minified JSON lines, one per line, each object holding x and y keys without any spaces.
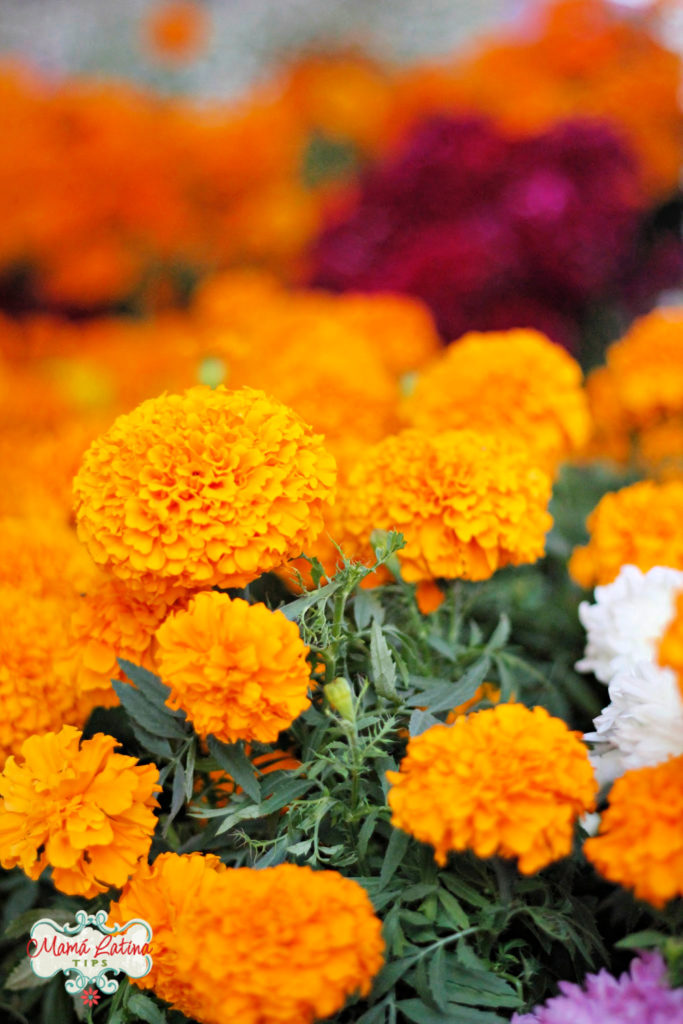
{"x":340,"y":697}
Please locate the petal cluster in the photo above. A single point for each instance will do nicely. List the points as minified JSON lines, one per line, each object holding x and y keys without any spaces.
{"x":201,"y":489}
{"x":642,"y":994}
{"x":515,"y":382}
{"x":638,"y":847}
{"x":509,"y":780}
{"x":239,"y":671}
{"x":638,"y":525}
{"x":285,"y":944}
{"x":80,"y":808}
{"x":467,"y":503}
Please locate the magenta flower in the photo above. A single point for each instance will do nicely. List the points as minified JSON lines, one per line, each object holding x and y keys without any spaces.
{"x":640,"y":996}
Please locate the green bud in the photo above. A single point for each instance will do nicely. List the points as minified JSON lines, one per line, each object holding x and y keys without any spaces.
{"x":212,"y":371}
{"x":340,"y":697}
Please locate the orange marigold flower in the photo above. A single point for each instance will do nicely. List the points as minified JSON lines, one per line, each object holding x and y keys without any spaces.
{"x":238,"y":670}
{"x":37,"y":692}
{"x":400,"y":327}
{"x":177,"y":29}
{"x":640,"y":843}
{"x":467,"y":503}
{"x":639,"y":525}
{"x":108,"y":623}
{"x":79,"y":807}
{"x":164,"y":893}
{"x":509,"y":781}
{"x":207,"y":488}
{"x":42,"y":556}
{"x":517,"y":382}
{"x":670,"y":651}
{"x":293,"y":943}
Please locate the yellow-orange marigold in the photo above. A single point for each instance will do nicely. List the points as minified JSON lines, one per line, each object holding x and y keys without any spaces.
{"x":43,"y":557}
{"x":467,"y":503}
{"x":515,"y":382}
{"x":163,"y":894}
{"x":210,"y":487}
{"x":670,"y":649}
{"x":640,"y":843}
{"x":177,"y":29}
{"x":78,"y":807}
{"x":37,"y":691}
{"x":239,"y":671}
{"x":638,"y":525}
{"x":291,"y":944}
{"x":109,"y":623}
{"x":509,"y":781}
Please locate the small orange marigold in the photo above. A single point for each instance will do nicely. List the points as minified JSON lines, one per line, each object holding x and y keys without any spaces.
{"x":207,"y":488}
{"x":640,"y":844}
{"x":670,"y":651}
{"x":79,"y":807}
{"x":508,"y":780}
{"x":638,"y":525}
{"x":467,"y":503}
{"x":238,"y":670}
{"x":517,"y":382}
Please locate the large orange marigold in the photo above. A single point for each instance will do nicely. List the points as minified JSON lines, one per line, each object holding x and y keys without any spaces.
{"x":290,"y":944}
{"x":79,"y":807}
{"x":517,"y":382}
{"x":467,"y":503}
{"x":238,"y":670}
{"x":509,"y":781}
{"x":200,"y":489}
{"x":639,"y":525}
{"x":640,"y":844}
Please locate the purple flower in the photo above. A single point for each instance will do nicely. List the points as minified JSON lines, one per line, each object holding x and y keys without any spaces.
{"x":640,"y":996}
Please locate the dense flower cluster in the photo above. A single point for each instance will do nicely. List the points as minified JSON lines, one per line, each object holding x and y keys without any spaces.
{"x":638,"y":525}
{"x":467,"y":503}
{"x":642,"y":993}
{"x":78,"y":807}
{"x":508,"y":781}
{"x":238,"y":670}
{"x":627,"y":620}
{"x":637,"y":848}
{"x":516,"y":382}
{"x":492,"y":231}
{"x":296,"y":942}
{"x":201,"y":489}
{"x":642,"y":381}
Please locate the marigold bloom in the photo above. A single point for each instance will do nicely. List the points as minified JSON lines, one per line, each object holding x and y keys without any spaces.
{"x":637,"y":525}
{"x":78,"y":807}
{"x":467,"y":503}
{"x":109,"y":623}
{"x":207,"y":488}
{"x":164,"y":894}
{"x":177,"y":29}
{"x":37,"y":692}
{"x":670,"y":648}
{"x":43,"y":557}
{"x":509,"y":781}
{"x":640,"y":843}
{"x":517,"y":382}
{"x":238,"y":670}
{"x":293,"y":943}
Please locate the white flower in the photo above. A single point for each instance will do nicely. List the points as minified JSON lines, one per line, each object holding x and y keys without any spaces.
{"x":628,"y":619}
{"x":643,"y":724}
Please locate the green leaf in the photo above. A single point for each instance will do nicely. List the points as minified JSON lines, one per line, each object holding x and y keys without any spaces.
{"x":396,"y":849}
{"x":282,"y":792}
{"x":147,"y":682}
{"x":22,"y":976}
{"x":500,"y":635}
{"x":235,"y":762}
{"x":647,"y":939}
{"x":389,"y":975}
{"x":189,"y":771}
{"x":445,"y":696}
{"x":437,"y":978}
{"x":416,"y":1011}
{"x":241,"y":814}
{"x":295,"y":609}
{"x":146,"y":1008}
{"x":156,"y":745}
{"x":22,"y":924}
{"x":453,"y":909}
{"x":382,"y":663}
{"x":155,"y":718}
{"x":177,"y":796}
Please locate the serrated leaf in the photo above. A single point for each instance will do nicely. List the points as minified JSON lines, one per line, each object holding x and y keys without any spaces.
{"x":437,"y":978}
{"x":500,"y":635}
{"x":366,"y":607}
{"x":22,"y":976}
{"x":189,"y":771}
{"x":22,"y":924}
{"x":283,"y":792}
{"x":419,"y":1013}
{"x":420,"y":721}
{"x":396,"y":849}
{"x":149,"y":684}
{"x":177,"y":796}
{"x":647,"y":939}
{"x":453,"y":909}
{"x":295,"y":609}
{"x":300,"y":849}
{"x":382,"y":663}
{"x":146,"y":1009}
{"x":242,"y":814}
{"x":389,"y":975}
{"x":156,"y":745}
{"x":234,"y":761}
{"x":155,"y":718}
{"x":446,"y":696}
{"x":366,"y":830}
